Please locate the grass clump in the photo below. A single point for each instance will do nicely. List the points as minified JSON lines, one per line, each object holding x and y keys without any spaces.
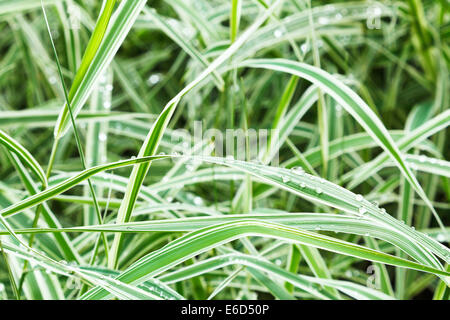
{"x":224,"y":149}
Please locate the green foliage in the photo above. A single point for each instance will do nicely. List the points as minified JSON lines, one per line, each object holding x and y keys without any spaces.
{"x":106,"y":192}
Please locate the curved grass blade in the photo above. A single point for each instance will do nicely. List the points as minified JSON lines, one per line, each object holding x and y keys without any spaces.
{"x":76,"y":134}
{"x":114,"y":287}
{"x":354,"y":105}
{"x":323,"y":192}
{"x":205,"y":239}
{"x":121,"y":24}
{"x":306,"y":283}
{"x":41,"y":118}
{"x":24,"y":156}
{"x":69,"y":183}
{"x":14,"y":6}
{"x":429,"y":165}
{"x":89,"y":54}
{"x":303,"y":185}
{"x":407,"y":142}
{"x":62,"y":240}
{"x":307,"y":221}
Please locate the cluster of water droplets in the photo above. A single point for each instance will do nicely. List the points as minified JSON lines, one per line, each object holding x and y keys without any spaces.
{"x":196,"y":200}
{"x":351,"y":273}
{"x":299,"y":171}
{"x":105,"y":90}
{"x":155,"y":289}
{"x":423,"y":159}
{"x":238,"y":261}
{"x":107,"y":282}
{"x":362,"y":211}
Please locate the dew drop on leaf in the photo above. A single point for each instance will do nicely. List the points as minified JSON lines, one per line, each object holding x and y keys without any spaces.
{"x":278,"y":33}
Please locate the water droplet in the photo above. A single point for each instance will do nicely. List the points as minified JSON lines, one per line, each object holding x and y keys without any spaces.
{"x":285,"y":179}
{"x":302,"y":185}
{"x":278,"y":33}
{"x":318,"y":190}
{"x":154,"y":79}
{"x":109,"y":87}
{"x":298,"y":170}
{"x":440,"y":237}
{"x":323,"y":20}
{"x":377,"y":11}
{"x":102,"y":137}
{"x":359,"y":197}
{"x":169,"y":199}
{"x":362,"y":210}
{"x":304,"y":47}
{"x":107,"y":105}
{"x":198,"y":201}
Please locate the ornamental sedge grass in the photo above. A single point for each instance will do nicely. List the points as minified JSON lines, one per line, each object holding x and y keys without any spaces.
{"x":219,"y":149}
